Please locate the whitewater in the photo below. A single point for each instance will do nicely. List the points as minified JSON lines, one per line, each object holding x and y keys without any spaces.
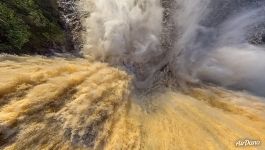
{"x":169,"y":74}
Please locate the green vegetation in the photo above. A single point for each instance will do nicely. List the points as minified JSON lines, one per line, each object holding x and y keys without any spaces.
{"x":29,"y":26}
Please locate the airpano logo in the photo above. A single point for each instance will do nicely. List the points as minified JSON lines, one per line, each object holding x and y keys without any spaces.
{"x":247,"y":142}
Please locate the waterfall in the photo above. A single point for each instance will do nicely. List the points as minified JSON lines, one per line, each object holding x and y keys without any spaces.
{"x":200,"y":41}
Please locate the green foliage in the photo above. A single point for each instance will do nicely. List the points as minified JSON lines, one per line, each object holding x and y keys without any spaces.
{"x":13,"y":29}
{"x":28,"y":25}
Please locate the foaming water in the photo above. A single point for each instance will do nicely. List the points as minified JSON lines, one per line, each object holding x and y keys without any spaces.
{"x":206,"y":39}
{"x":121,"y":30}
{"x":55,"y":103}
{"x":84,"y":103}
{"x":125,"y":33}
{"x":221,"y":42}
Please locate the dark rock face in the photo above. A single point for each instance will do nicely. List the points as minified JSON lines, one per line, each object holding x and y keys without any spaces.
{"x":71,"y":20}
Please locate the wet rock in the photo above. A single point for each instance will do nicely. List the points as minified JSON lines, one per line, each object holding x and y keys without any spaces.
{"x":71,"y":20}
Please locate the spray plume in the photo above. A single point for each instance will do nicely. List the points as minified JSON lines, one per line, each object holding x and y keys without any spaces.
{"x":214,"y":41}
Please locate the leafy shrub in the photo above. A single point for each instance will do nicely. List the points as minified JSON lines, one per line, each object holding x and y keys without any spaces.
{"x":14,"y":32}
{"x":28,"y":25}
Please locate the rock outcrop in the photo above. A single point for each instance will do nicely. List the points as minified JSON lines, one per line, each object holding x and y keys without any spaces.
{"x":70,"y":18}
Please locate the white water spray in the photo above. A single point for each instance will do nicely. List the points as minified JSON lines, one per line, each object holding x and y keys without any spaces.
{"x":216,"y":41}
{"x":221,"y":42}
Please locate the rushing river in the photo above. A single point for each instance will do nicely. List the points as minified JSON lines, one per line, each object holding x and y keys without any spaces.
{"x":165,"y":75}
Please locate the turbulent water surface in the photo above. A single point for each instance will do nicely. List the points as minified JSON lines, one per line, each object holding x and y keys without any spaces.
{"x":81,"y":104}
{"x":154,"y":76}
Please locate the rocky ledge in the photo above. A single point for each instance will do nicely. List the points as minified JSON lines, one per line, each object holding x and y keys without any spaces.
{"x":71,"y":20}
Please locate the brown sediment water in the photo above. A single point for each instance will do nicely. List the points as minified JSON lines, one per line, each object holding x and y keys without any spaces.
{"x":57,"y":103}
